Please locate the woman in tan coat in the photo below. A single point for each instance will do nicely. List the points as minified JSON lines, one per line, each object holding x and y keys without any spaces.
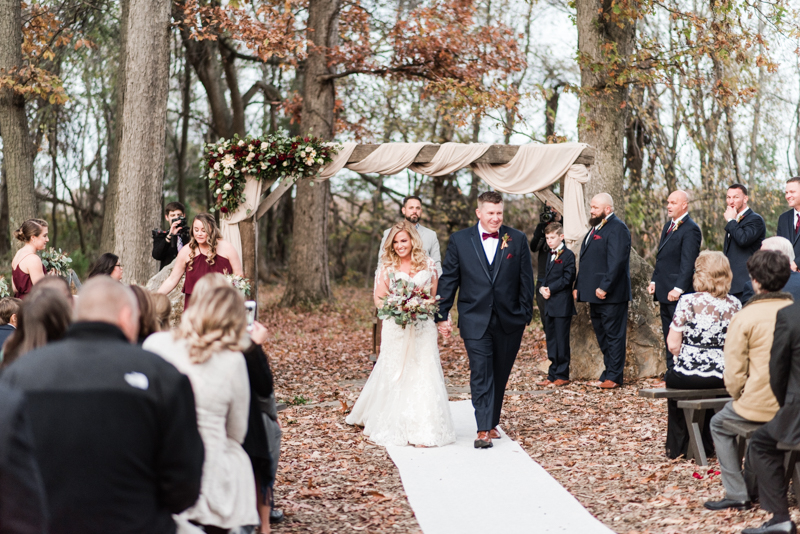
{"x":746,"y":374}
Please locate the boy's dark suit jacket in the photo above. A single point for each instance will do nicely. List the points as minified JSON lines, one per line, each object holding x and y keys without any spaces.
{"x":605,"y":263}
{"x":742,"y":239}
{"x":675,"y":259}
{"x":786,"y":224}
{"x":559,"y":277}
{"x":506,"y":288}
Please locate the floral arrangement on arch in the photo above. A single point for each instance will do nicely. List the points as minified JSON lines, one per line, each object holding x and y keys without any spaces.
{"x":272,"y":158}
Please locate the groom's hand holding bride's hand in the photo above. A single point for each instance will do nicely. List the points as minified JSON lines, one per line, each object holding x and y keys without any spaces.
{"x":445,"y":327}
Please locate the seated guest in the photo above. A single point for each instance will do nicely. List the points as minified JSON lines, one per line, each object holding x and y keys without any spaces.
{"x":107,"y":264}
{"x":162,"y":308}
{"x":23,"y":506}
{"x":696,"y":337}
{"x":746,"y":375}
{"x":147,"y":319}
{"x":44,"y":317}
{"x":207,"y":348}
{"x":9,"y":308}
{"x":783,"y":245}
{"x":114,"y":426}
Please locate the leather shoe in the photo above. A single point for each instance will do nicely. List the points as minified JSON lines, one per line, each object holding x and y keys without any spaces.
{"x":494,"y":433}
{"x":608,"y":384}
{"x":545,"y":383}
{"x":561,"y":382}
{"x":726,"y":504}
{"x":483,"y":441}
{"x":787,"y":527}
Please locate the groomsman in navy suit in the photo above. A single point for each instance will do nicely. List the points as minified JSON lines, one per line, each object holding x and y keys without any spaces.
{"x":604,"y":281}
{"x":677,"y":251}
{"x":743,"y":236}
{"x":789,"y":221}
{"x":556,"y":289}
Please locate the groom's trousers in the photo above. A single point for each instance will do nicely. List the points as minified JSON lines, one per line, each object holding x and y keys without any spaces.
{"x":490,"y":361}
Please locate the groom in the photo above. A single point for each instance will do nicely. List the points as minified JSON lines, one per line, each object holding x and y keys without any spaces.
{"x":491,"y":265}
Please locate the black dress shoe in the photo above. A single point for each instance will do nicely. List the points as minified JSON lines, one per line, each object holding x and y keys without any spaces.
{"x":276,"y":516}
{"x":725,"y":504}
{"x":787,"y":527}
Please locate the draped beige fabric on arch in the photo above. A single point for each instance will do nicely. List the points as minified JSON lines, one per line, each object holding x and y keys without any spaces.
{"x":534,"y":167}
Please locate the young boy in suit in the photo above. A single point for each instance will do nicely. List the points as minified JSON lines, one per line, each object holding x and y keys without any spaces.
{"x":559,"y":306}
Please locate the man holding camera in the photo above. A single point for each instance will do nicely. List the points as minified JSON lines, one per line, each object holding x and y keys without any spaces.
{"x":166,"y":244}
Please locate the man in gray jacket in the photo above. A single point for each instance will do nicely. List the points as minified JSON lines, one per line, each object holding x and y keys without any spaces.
{"x":412,"y":211}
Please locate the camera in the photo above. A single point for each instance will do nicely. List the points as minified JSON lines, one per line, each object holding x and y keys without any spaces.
{"x":181,"y":224}
{"x":548,"y":215}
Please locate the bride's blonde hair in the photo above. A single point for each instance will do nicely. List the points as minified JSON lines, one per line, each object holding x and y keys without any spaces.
{"x":419,"y":260}
{"x":214,"y":322}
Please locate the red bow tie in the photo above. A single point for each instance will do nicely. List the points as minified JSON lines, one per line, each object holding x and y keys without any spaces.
{"x":495,"y":235}
{"x":553,"y":252}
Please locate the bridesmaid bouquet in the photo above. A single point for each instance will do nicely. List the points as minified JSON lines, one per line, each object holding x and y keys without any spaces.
{"x":408,"y":303}
{"x":56,"y":261}
{"x":239,"y":282}
{"x":4,"y":289}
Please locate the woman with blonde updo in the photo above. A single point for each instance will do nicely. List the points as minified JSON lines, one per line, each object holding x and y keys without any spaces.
{"x":207,"y":347}
{"x":26,"y":267}
{"x":206,"y":253}
{"x":405,"y":400}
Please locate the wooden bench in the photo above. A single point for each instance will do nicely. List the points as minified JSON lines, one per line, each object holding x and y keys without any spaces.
{"x":695,"y":413}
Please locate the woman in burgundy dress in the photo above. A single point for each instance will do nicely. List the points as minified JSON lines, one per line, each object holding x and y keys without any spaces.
{"x":206,"y":253}
{"x":26,"y":267}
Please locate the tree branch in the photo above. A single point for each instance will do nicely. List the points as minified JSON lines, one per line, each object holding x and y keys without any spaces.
{"x":270,"y":92}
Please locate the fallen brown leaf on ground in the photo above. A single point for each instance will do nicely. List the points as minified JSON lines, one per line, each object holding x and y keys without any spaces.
{"x":605,"y":447}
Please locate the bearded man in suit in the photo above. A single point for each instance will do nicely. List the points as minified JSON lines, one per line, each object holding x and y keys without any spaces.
{"x":604,"y":281}
{"x":744,"y":233}
{"x":677,"y":251}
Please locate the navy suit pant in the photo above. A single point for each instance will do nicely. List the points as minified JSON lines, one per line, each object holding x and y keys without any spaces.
{"x":556,"y":331}
{"x":610,"y":323}
{"x":490,"y":361}
{"x":667,"y":311}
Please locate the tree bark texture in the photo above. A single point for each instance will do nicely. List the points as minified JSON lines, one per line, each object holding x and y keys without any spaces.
{"x":603,"y":114}
{"x":107,"y":240}
{"x":18,"y":150}
{"x":309,"y":280}
{"x":141,"y":158}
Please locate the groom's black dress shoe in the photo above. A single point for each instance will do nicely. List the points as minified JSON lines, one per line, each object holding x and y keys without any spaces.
{"x":483,"y":441}
{"x":725,"y":504}
{"x":786,"y":527}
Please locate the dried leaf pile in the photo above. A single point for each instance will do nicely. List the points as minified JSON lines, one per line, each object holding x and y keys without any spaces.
{"x":605,"y":447}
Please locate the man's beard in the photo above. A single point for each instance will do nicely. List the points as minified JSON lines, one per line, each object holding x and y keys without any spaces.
{"x":594,"y":221}
{"x":413,"y":219}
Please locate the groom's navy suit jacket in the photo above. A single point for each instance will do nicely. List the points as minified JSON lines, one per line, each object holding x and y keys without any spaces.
{"x":506,"y":287}
{"x":605,"y":263}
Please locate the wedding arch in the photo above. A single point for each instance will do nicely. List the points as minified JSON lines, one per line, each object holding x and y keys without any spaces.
{"x":516,"y":169}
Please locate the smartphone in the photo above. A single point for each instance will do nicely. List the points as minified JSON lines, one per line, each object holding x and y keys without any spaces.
{"x":250,"y":307}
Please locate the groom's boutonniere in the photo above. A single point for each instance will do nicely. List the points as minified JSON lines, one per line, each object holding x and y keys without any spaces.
{"x":504,"y":244}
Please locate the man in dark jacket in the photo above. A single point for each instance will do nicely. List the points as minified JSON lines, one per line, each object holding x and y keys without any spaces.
{"x":604,"y":281}
{"x":763,"y":456}
{"x":743,"y":236}
{"x":789,"y":221}
{"x":677,"y":251}
{"x":166,"y":244}
{"x":23,"y":507}
{"x":114,"y":426}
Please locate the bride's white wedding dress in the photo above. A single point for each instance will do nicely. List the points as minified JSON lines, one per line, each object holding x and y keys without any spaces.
{"x":405,"y":400}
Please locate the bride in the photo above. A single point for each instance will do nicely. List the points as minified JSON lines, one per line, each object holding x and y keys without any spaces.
{"x":405,"y":400}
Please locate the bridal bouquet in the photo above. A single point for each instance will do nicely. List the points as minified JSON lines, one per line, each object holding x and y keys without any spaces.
{"x":57,"y":261}
{"x":408,"y":303}
{"x":4,"y":289}
{"x":239,"y":282}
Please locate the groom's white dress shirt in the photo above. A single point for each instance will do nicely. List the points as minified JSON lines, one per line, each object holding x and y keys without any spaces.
{"x":430,"y":242}
{"x":489,"y":244}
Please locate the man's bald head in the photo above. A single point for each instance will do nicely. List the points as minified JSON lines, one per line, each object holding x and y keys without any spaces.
{"x":601,"y":206}
{"x":677,"y":204}
{"x":603,"y":199}
{"x":103,"y":299}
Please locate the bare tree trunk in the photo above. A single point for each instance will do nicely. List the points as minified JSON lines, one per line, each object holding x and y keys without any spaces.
{"x":53,"y":234}
{"x":18,"y":151}
{"x":107,"y":239}
{"x":141,"y":158}
{"x":186,"y":96}
{"x":309,"y":280}
{"x":602,"y":123}
{"x":5,"y":243}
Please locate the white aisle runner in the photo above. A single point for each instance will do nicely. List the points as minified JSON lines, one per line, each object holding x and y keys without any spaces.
{"x":459,"y":489}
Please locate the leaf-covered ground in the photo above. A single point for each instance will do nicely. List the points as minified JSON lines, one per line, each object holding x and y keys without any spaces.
{"x":605,"y":447}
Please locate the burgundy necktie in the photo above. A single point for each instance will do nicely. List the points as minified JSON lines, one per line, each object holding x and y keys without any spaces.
{"x":495,"y":235}
{"x":671,"y":227}
{"x":797,"y":224}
